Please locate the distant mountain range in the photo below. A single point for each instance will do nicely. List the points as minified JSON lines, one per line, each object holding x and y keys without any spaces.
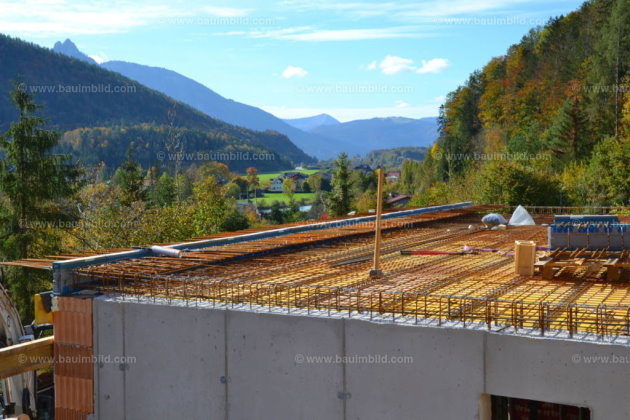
{"x":309,"y":123}
{"x":362,"y":136}
{"x":322,"y":135}
{"x":211,"y":103}
{"x":76,"y":94}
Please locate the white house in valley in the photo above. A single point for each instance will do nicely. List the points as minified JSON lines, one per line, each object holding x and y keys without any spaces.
{"x":276,"y":184}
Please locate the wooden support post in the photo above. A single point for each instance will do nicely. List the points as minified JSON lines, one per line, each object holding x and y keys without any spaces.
{"x":376,"y":269}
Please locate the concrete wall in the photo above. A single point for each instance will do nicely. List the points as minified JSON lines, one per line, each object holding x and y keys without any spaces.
{"x":570,"y":372}
{"x":174,"y":362}
{"x":443,"y":375}
{"x":266,"y":378}
{"x":199,"y":363}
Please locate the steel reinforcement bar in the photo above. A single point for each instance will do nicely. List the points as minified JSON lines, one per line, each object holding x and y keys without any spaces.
{"x":601,"y":320}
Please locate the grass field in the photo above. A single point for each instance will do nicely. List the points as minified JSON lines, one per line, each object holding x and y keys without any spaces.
{"x":269,"y":198}
{"x":268,"y":176}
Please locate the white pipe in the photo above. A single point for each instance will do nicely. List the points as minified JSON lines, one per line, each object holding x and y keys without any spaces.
{"x":166,"y":252}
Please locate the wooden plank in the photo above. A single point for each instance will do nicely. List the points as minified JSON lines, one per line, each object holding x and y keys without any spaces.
{"x":547,"y":270}
{"x":28,"y":264}
{"x":26,"y":357}
{"x":613,"y":273}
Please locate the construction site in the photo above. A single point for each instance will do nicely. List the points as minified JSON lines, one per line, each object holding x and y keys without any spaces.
{"x":422,"y":313}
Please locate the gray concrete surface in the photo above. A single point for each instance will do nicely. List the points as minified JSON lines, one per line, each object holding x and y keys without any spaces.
{"x":269,"y":376}
{"x":204,"y":363}
{"x":425,"y":368}
{"x":108,"y":378}
{"x":560,"y":371}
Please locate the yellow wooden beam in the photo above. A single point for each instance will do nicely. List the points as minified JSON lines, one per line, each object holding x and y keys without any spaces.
{"x":26,"y":357}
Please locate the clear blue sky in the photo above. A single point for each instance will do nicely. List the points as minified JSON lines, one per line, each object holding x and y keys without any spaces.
{"x":295,"y":58}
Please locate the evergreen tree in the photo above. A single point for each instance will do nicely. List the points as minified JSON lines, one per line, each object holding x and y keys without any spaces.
{"x":408,"y":175}
{"x":569,"y":133}
{"x":33,"y":184}
{"x":183,"y":187}
{"x":276,"y":215}
{"x":164,"y":192}
{"x":610,"y":64}
{"x":130,"y":180}
{"x":31,"y":177}
{"x":362,"y":182}
{"x":339,"y":199}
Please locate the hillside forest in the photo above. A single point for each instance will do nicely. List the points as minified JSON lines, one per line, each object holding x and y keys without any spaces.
{"x":546,"y":124}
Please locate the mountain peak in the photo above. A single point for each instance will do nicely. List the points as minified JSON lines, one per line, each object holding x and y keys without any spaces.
{"x":328,"y":119}
{"x":67,"y":44}
{"x":70,"y":49}
{"x":311,"y":123}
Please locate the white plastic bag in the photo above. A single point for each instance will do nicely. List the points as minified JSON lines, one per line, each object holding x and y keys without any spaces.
{"x":521,"y":217}
{"x":493,"y":219}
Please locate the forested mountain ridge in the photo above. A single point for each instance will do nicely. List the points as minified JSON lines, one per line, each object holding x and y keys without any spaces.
{"x":392,"y":158}
{"x":165,"y":147}
{"x":547,"y":123}
{"x":76,"y":94}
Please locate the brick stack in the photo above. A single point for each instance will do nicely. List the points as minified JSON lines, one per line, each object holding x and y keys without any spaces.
{"x":74,"y":367}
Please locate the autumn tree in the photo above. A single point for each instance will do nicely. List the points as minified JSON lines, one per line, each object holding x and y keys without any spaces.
{"x":183,"y":187}
{"x":252,"y":178}
{"x":315,"y":182}
{"x":608,"y":173}
{"x":211,"y":207}
{"x":288,"y":188}
{"x":510,"y":183}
